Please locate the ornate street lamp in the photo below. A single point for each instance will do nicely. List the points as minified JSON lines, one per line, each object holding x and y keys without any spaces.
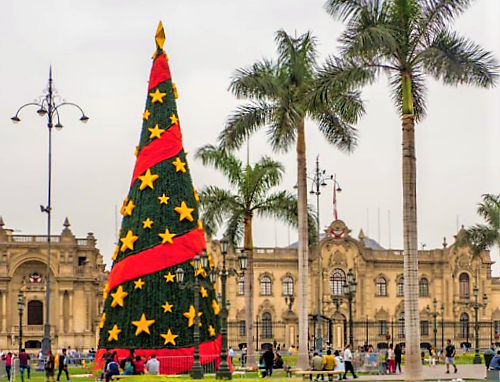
{"x":435,"y":314}
{"x":349,"y":289}
{"x":476,"y":305}
{"x":49,"y":105}
{"x":20,"y":307}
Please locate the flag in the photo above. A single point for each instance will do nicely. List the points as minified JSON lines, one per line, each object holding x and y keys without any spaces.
{"x":335,"y":212}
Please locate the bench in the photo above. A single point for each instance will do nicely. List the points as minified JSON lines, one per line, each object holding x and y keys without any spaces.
{"x":311,"y":373}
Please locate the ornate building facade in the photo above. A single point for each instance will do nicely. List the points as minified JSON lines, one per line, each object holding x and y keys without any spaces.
{"x":450,"y":278}
{"x":77,"y":280}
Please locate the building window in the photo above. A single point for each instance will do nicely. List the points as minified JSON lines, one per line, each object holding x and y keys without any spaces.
{"x":267,"y":326}
{"x":241,"y":286}
{"x":265,"y":286}
{"x":35,"y":313}
{"x":423,"y":288}
{"x":401,"y":287}
{"x":381,"y":287}
{"x":288,"y":286}
{"x":463,"y":281}
{"x":464,"y":325}
{"x":401,"y":326}
{"x":337,"y":281}
{"x":242,"y":328}
{"x":424,"y":328}
{"x":382,"y":328}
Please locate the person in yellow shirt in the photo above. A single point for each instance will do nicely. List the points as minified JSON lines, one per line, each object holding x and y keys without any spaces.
{"x":329,"y":363}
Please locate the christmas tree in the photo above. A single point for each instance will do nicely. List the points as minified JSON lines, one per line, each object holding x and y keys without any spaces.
{"x":145,"y":307}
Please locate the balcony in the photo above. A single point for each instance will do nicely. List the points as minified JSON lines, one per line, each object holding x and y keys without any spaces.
{"x":31,"y":330}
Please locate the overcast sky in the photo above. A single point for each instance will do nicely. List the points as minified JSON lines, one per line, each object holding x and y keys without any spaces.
{"x":101,"y":51}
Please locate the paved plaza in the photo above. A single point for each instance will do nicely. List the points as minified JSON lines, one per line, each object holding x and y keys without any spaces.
{"x":437,"y":373}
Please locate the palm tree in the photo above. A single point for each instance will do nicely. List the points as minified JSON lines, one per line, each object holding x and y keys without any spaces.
{"x":406,"y":39}
{"x":250,"y":196}
{"x":280,"y":99}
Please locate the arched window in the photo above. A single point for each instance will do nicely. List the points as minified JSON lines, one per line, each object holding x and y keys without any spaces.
{"x":35,"y":313}
{"x":288,"y":286}
{"x":464,"y":325}
{"x":401,"y":325}
{"x":241,"y":286}
{"x":423,"y":288}
{"x":267,"y":325}
{"x":463,"y":281}
{"x":401,"y":287}
{"x":381,"y":286}
{"x":265,"y":286}
{"x":337,"y":281}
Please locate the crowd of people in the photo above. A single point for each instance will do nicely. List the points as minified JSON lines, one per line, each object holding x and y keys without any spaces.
{"x":132,"y":365}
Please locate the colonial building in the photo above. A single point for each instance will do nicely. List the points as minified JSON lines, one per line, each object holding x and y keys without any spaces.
{"x":449,"y":281}
{"x":77,"y":278}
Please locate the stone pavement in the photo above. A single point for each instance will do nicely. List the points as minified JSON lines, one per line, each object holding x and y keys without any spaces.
{"x":436,"y":374}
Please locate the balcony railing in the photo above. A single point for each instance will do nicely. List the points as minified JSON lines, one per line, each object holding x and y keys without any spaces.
{"x":31,"y":329}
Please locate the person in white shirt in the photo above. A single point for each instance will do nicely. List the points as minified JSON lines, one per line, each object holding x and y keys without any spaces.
{"x":231,"y":354}
{"x":348,"y":362}
{"x":339,"y":364}
{"x":153,"y":365}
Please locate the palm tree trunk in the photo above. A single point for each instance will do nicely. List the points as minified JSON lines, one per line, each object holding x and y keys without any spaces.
{"x":303,"y":258}
{"x":248,"y":245}
{"x":413,"y":366}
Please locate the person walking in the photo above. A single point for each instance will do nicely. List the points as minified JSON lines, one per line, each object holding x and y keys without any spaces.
{"x":8,"y":364}
{"x":231,"y":354}
{"x":317,"y":365}
{"x":329,"y":363}
{"x":450,"y":357}
{"x":398,"y":353}
{"x":50,"y":364}
{"x":268,"y":358}
{"x":391,"y":359}
{"x":348,"y":362}
{"x":23,"y":363}
{"x":63,"y":365}
{"x":432,"y":357}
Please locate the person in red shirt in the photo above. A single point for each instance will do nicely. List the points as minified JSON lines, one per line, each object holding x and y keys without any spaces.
{"x":8,"y":364}
{"x":23,"y":363}
{"x":138,"y":365}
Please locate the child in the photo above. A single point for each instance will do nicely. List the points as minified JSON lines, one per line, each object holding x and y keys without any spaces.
{"x":339,"y":366}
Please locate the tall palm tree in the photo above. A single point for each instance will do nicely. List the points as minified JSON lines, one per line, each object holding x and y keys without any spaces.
{"x":280,"y":99}
{"x":406,"y":39}
{"x":250,"y":195}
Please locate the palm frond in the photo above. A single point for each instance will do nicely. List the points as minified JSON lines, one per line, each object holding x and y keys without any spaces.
{"x":419,"y":91}
{"x":283,"y":126}
{"x":345,"y":9}
{"x":266,"y":174}
{"x":258,"y":81}
{"x":457,"y":60}
{"x":480,"y":238}
{"x":336,"y":131}
{"x":216,"y":204}
{"x":230,"y":166}
{"x":244,"y":122}
{"x":235,"y":228}
{"x":489,"y":210}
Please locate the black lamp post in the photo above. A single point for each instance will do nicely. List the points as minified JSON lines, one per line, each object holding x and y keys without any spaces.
{"x":476,"y":305}
{"x":49,"y":107}
{"x":224,"y":372}
{"x":434,"y":314}
{"x":319,"y":180}
{"x":20,"y":307}
{"x":197,"y":370}
{"x":442,"y":325}
{"x":349,"y":289}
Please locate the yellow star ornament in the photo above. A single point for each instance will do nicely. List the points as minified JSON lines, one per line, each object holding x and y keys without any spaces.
{"x":118,"y":297}
{"x":167,"y":307}
{"x":105,"y":292}
{"x":128,"y":241}
{"x":169,"y":337}
{"x":124,"y":205}
{"x":211,"y":331}
{"x":190,"y":315}
{"x":113,"y":333}
{"x":196,"y":195}
{"x":215,"y":307}
{"x":169,"y":278}
{"x":176,"y":93}
{"x":143,"y":325}
{"x":203,"y":292}
{"x":127,"y":209}
{"x":173,"y":119}
{"x":147,"y":180}
{"x":200,"y":224}
{"x":167,"y":237}
{"x":146,"y":115}
{"x":139,"y":284}
{"x":102,"y":321}
{"x":179,"y":165}
{"x":147,"y":223}
{"x":163,"y":199}
{"x":200,"y":271}
{"x":156,"y":132}
{"x":184,"y":211}
{"x":115,"y":254}
{"x":157,"y":96}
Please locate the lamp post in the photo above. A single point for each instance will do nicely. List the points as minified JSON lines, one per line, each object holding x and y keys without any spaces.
{"x":349,"y":289}
{"x":319,"y":180}
{"x":224,"y":372}
{"x":197,"y":370}
{"x":476,"y":305}
{"x":49,"y":107}
{"x":20,"y":307}
{"x":442,"y":325}
{"x":434,"y":314}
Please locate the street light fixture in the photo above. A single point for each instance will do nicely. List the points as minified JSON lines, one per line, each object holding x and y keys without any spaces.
{"x":20,"y":307}
{"x":319,"y":180}
{"x":434,"y":312}
{"x":476,"y":305}
{"x":349,"y":289}
{"x":48,"y":105}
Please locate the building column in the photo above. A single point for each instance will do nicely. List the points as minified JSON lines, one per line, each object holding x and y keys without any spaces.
{"x":3,"y":324}
{"x":61,"y":312}
{"x":71,"y":327}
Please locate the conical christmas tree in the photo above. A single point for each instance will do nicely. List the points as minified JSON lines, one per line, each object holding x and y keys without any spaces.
{"x":145,"y":307}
